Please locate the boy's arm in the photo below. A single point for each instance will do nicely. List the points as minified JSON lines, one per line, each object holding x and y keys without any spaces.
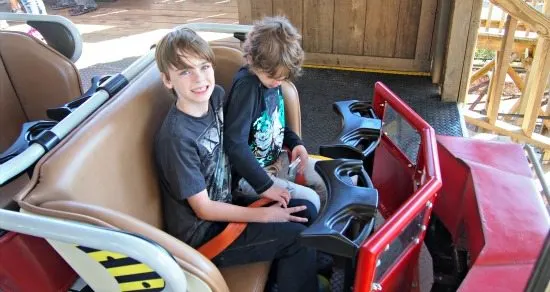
{"x":238,"y":119}
{"x":209,"y":210}
{"x":291,"y":139}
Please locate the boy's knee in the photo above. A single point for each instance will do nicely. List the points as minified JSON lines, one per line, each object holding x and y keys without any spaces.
{"x":312,"y":196}
{"x":310,"y":212}
{"x":288,"y":233}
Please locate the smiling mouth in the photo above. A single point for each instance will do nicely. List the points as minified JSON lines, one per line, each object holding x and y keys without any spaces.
{"x":199,"y":90}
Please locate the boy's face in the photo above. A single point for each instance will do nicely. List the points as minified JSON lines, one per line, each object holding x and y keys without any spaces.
{"x":271,"y":81}
{"x":193,"y":84}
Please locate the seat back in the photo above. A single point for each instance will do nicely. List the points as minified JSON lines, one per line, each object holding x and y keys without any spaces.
{"x":104,"y":173}
{"x":228,"y":61}
{"x":33,"y":77}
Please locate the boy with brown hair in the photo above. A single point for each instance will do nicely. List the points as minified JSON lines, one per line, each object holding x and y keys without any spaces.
{"x":255,"y":131}
{"x":195,"y":178}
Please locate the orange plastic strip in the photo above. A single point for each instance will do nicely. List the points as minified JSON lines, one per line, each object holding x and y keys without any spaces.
{"x":233,"y":230}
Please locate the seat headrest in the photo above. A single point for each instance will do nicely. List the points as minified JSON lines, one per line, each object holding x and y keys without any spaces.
{"x":227,"y":63}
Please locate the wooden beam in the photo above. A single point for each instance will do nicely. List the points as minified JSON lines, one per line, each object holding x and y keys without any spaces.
{"x":440,"y":39}
{"x":462,"y":39}
{"x":521,"y":10}
{"x":507,"y":129}
{"x":536,"y":82}
{"x":482,"y":71}
{"x":470,"y":49}
{"x":489,"y":15}
{"x":366,"y":62}
{"x":516,"y":78}
{"x":456,"y":49}
{"x":504,"y":55}
{"x":491,"y":41}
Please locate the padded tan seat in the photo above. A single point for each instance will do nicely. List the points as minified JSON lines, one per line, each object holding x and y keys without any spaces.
{"x":104,"y":173}
{"x":33,"y":77}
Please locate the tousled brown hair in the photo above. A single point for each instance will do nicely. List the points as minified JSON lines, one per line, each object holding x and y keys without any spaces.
{"x":173,"y":48}
{"x":274,"y":44}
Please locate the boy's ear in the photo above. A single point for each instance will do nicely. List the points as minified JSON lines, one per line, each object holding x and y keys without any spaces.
{"x":166,"y":81}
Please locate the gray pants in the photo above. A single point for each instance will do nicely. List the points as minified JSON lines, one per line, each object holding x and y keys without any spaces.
{"x":315,"y":191}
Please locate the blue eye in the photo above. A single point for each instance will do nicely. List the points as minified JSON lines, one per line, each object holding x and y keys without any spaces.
{"x":206,"y":67}
{"x":185,"y":72}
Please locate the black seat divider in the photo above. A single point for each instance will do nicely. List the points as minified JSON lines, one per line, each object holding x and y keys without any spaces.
{"x":347,"y":218}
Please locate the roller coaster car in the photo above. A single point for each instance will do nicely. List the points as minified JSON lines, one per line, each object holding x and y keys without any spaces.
{"x":472,"y":203}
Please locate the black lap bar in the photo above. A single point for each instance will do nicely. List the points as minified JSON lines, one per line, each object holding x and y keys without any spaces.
{"x":347,"y":218}
{"x":359,"y":136}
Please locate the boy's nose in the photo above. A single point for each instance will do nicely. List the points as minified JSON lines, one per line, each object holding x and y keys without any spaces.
{"x":199,"y":76}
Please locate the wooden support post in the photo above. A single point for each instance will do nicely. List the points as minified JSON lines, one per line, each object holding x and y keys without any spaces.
{"x":496,"y":85}
{"x":536,"y":82}
{"x":545,"y":156}
{"x":460,"y":49}
{"x":489,"y":17}
{"x":535,"y":85}
{"x":440,"y":38}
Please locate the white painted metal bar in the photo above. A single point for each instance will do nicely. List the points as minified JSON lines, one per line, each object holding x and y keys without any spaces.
{"x":538,"y":170}
{"x":147,"y":252}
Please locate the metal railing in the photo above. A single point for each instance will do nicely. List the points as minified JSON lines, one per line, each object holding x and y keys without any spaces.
{"x":147,"y":252}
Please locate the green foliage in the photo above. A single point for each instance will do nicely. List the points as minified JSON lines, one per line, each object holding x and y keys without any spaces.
{"x":484,"y":54}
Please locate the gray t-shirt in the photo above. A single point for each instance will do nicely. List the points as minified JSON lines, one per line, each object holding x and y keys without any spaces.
{"x":190,"y":157}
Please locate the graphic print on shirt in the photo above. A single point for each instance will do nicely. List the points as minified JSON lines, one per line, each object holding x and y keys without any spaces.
{"x":217,"y":171}
{"x":268,"y":130}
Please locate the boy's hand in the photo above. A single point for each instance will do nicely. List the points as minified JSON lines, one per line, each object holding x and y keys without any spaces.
{"x":277,"y":194}
{"x":276,"y":213}
{"x":300,"y":151}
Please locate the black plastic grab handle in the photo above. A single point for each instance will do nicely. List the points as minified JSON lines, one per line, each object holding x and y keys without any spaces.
{"x":29,"y":132}
{"x":347,"y":218}
{"x":359,"y":135}
{"x":59,"y":113}
{"x":360,"y":131}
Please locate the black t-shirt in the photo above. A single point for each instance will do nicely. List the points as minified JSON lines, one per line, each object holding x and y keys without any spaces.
{"x":190,"y":157}
{"x":255,"y":129}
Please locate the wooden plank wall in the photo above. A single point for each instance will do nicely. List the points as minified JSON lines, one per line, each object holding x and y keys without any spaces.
{"x":374,"y":34}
